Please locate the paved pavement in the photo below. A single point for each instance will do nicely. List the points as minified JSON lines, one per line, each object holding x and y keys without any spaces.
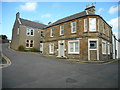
{"x":34,"y":71}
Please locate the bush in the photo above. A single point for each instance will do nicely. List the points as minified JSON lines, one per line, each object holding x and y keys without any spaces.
{"x":34,"y":50}
{"x":21,"y":48}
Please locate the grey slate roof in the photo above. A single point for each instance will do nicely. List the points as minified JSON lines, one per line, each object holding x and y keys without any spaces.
{"x":77,"y":15}
{"x":32,"y":23}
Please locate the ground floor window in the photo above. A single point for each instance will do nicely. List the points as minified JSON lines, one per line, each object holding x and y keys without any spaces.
{"x":29,"y":43}
{"x":108,"y":48}
{"x":103,"y":47}
{"x":51,"y":48}
{"x":73,"y":47}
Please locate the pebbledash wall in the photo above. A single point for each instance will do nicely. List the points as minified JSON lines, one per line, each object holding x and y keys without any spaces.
{"x":85,"y":43}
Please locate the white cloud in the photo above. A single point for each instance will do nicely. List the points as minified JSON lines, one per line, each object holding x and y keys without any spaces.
{"x":99,"y":10}
{"x":46,"y":16}
{"x":28,"y":6}
{"x":114,"y":23}
{"x":114,"y":9}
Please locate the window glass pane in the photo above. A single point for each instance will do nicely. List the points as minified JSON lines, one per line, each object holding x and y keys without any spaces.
{"x":71,"y":46}
{"x":31,"y":32}
{"x":76,"y":47}
{"x":27,"y":31}
{"x":62,"y":30}
{"x":73,"y":26}
{"x":93,"y":44}
{"x":92,"y":23}
{"x":104,"y":47}
{"x":85,"y":25}
{"x":51,"y":48}
{"x":27,"y":43}
{"x":52,"y":32}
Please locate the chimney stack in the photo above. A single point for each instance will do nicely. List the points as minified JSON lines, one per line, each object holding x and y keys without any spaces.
{"x":17,"y":15}
{"x":90,"y":8}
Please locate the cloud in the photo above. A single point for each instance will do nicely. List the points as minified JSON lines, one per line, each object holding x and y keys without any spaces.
{"x":99,"y":10}
{"x":114,"y":9}
{"x":114,"y":23}
{"x":46,"y":16}
{"x":28,"y":6}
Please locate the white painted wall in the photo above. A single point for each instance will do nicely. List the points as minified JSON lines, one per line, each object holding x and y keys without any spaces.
{"x":113,"y":46}
{"x":118,"y":49}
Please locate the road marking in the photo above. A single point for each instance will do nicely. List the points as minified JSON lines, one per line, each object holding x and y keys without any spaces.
{"x":8,"y":62}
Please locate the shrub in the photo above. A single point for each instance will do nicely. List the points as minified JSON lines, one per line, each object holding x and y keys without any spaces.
{"x":34,"y":50}
{"x":21,"y":48}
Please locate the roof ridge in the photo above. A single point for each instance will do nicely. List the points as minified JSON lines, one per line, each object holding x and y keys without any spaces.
{"x":71,"y":15}
{"x":33,"y":21}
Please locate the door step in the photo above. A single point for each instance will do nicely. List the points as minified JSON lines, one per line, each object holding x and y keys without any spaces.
{"x":62,"y":57}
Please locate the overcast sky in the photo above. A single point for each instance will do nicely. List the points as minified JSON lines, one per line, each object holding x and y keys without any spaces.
{"x":45,"y":12}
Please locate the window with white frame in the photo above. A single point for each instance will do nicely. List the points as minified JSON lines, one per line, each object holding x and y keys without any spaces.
{"x":18,"y":31}
{"x":108,"y":46}
{"x":103,"y":47}
{"x":29,"y":32}
{"x":62,"y":30}
{"x":92,"y":24}
{"x":51,"y":48}
{"x":85,"y":25}
{"x":73,"y":47}
{"x":52,"y":32}
{"x":73,"y":27}
{"x":29,"y":43}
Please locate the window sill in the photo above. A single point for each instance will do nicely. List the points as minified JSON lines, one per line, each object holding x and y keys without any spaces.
{"x":73,"y":53}
{"x":73,"y":32}
{"x":51,"y":36}
{"x":51,"y":53}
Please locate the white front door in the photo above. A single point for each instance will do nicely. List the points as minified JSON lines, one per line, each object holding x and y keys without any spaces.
{"x":61,"y":52}
{"x":93,"y":49}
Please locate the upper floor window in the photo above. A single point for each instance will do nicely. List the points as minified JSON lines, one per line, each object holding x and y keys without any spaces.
{"x":103,"y":27}
{"x":29,"y":32}
{"x":85,"y":25}
{"x":18,"y":31}
{"x":52,"y":32}
{"x":62,"y":30}
{"x":41,"y":34}
{"x":73,"y":26}
{"x":92,"y":24}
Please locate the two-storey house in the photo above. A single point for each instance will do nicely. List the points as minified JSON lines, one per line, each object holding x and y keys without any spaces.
{"x":26,"y":33}
{"x":84,"y":36}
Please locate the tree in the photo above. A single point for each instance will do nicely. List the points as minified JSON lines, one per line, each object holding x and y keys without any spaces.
{"x":4,"y":37}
